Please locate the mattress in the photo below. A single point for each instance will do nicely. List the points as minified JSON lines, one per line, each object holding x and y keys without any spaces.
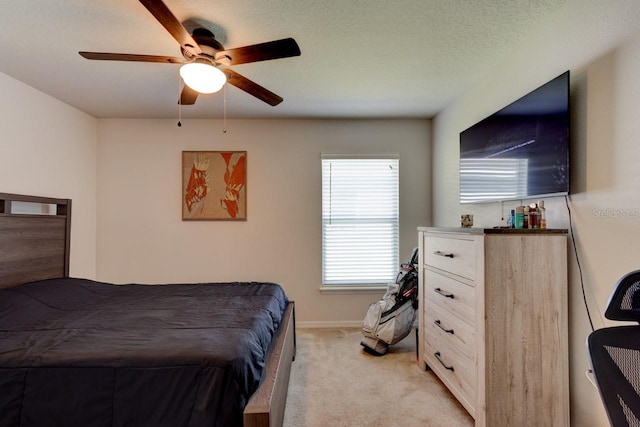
{"x":79,"y":352}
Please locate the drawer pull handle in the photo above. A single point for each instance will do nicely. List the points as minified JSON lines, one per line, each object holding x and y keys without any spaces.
{"x":437,"y":355}
{"x":443,"y":293}
{"x":439,"y":324}
{"x":444,"y":254}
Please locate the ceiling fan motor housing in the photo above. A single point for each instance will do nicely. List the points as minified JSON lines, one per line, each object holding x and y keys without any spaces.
{"x":208,"y":45}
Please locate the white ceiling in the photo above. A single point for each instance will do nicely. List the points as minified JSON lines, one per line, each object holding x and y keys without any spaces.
{"x":360,"y":58}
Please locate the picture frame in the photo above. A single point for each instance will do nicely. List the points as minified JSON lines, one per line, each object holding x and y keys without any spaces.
{"x":214,"y":185}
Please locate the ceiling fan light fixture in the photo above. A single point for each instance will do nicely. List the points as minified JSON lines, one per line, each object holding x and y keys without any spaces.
{"x":202,"y":76}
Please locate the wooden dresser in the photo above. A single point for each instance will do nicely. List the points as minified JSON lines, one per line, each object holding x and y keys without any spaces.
{"x":494,"y":322}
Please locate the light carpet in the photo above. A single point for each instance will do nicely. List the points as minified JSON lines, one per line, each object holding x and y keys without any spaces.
{"x":334,"y":382}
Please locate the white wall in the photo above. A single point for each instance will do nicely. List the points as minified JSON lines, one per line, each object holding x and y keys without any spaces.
{"x":599,"y":43}
{"x":50,"y":149}
{"x":141,"y":237}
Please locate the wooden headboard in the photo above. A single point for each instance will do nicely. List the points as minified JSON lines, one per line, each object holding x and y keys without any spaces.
{"x":35,"y":237}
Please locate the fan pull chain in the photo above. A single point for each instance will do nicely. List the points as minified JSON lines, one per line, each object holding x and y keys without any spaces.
{"x":179,"y":101}
{"x":224,"y":108}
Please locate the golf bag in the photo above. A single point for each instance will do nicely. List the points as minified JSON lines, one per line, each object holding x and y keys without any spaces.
{"x":391,"y":318}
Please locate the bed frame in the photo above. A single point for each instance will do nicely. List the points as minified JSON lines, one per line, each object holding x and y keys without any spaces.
{"x":35,"y":245}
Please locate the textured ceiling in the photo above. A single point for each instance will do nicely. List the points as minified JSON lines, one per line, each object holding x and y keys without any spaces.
{"x":360,"y":58}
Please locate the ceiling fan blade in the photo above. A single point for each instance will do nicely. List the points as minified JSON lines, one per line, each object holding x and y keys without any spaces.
{"x":105,"y":56}
{"x":252,"y":88}
{"x":168,"y":20}
{"x":276,"y":49}
{"x":188,"y":96}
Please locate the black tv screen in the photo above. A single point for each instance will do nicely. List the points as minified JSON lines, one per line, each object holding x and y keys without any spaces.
{"x":521,"y":151}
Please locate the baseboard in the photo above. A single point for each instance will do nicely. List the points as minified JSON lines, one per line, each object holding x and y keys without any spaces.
{"x":327,"y":324}
{"x":311,"y":324}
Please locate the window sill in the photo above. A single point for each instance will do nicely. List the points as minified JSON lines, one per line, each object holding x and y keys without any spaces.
{"x":364,"y":289}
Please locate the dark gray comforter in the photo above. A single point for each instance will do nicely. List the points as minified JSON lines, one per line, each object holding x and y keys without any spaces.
{"x":76,"y":352}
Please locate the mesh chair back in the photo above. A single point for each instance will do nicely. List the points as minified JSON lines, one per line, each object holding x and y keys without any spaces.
{"x":615,"y":359}
{"x":624,"y":302}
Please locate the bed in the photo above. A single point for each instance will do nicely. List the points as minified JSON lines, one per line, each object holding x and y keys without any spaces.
{"x":80,"y":352}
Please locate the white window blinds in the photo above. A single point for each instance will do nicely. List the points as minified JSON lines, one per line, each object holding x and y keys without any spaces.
{"x":360,"y":220}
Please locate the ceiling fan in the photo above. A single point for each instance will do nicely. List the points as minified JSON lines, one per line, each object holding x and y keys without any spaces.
{"x":203,"y":53}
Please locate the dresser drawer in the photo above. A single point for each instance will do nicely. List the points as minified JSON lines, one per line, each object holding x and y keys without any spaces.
{"x":454,"y":297}
{"x":451,"y":329}
{"x":457,"y":256}
{"x":456,"y":370}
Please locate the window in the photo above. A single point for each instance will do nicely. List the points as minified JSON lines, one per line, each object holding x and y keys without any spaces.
{"x":360,"y":220}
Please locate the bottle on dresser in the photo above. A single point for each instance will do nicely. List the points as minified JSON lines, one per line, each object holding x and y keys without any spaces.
{"x":543,"y":217}
{"x":519,"y":217}
{"x":533,"y":216}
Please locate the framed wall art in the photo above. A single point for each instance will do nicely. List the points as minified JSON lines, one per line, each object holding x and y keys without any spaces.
{"x":214,"y":185}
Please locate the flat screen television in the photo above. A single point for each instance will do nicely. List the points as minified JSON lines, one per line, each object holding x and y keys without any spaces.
{"x":520,"y":152}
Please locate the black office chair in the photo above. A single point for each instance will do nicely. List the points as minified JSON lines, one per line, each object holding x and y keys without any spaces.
{"x":615,"y":354}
